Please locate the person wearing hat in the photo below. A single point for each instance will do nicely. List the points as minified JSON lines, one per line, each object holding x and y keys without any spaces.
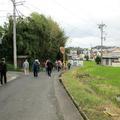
{"x":3,"y":71}
{"x":36,"y":67}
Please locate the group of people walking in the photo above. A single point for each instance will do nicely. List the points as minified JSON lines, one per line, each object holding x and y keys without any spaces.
{"x":48,"y":66}
{"x":36,"y":67}
{"x":60,"y":65}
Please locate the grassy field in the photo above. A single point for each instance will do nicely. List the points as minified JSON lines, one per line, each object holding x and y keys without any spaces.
{"x":95,"y":89}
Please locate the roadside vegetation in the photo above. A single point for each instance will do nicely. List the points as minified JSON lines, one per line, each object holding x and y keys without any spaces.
{"x":96,"y":90}
{"x":37,"y":36}
{"x":10,"y":67}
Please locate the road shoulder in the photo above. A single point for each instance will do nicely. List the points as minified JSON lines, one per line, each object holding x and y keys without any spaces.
{"x":67,"y":107}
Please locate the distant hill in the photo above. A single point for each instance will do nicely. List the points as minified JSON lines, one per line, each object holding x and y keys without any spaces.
{"x":104,"y":47}
{"x":96,"y":47}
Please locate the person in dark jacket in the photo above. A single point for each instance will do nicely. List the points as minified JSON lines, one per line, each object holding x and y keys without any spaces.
{"x":36,"y":67}
{"x":69,"y":65}
{"x":49,"y":68}
{"x":3,"y":71}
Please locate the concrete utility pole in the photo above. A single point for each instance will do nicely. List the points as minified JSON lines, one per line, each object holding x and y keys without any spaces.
{"x":14,"y":35}
{"x":101,"y":27}
{"x":14,"y":31}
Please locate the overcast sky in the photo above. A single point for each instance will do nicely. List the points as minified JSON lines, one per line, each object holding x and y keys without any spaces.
{"x":78,"y":18}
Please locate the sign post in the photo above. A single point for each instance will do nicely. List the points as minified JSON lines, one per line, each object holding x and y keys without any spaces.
{"x":62,"y":50}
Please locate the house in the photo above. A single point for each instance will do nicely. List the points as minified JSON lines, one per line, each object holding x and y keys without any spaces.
{"x":112,"y":58}
{"x":74,"y":58}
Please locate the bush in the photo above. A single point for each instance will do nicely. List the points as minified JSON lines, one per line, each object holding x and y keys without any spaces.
{"x":86,"y":57}
{"x":98,"y":60}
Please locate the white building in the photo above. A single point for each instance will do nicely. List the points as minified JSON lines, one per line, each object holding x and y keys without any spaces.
{"x":112,"y":58}
{"x":74,"y":59}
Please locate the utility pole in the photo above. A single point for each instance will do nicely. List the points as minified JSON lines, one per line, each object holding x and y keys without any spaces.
{"x":14,"y":35}
{"x":14,"y":32}
{"x":101,"y":27}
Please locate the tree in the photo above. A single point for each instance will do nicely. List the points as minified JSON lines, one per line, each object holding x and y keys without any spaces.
{"x":87,"y":57}
{"x":37,"y":36}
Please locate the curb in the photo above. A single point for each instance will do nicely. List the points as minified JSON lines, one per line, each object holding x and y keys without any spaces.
{"x":74,"y":102}
{"x":12,"y":78}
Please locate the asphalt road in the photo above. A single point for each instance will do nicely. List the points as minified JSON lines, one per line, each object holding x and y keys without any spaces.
{"x":42,"y":98}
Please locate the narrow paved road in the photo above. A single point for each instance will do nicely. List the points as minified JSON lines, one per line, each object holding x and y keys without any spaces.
{"x":29,"y":98}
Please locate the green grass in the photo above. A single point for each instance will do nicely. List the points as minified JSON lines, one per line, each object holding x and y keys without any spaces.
{"x":10,"y":67}
{"x":94,"y":88}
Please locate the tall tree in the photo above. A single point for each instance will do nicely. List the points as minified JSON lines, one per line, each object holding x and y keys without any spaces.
{"x":37,"y":36}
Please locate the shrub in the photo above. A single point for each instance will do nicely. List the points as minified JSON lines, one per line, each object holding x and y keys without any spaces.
{"x":86,"y":57}
{"x":98,"y":60}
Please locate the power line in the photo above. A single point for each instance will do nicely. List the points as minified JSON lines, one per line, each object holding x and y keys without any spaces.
{"x":27,"y":8}
{"x":21,"y":13}
{"x":17,"y":12}
{"x":75,"y":27}
{"x":71,"y":13}
{"x":33,"y":7}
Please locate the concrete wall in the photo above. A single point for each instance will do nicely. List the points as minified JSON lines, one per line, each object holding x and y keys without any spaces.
{"x":115,"y":64}
{"x":107,"y":62}
{"x":110,"y":62}
{"x":76,"y":62}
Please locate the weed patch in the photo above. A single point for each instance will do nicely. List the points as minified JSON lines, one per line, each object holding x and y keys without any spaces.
{"x":96,"y":89}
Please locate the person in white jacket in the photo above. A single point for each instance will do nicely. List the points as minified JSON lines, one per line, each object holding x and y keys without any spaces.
{"x":26,"y":67}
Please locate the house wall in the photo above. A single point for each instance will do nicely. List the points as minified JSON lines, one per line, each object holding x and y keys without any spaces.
{"x":76,"y":62}
{"x":107,"y":62}
{"x":110,"y":62}
{"x":104,"y":61}
{"x":115,"y":64}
